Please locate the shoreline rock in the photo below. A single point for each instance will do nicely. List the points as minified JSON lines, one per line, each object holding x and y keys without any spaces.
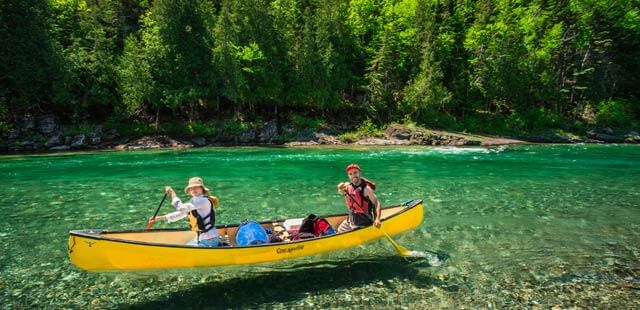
{"x":153,"y":142}
{"x":25,"y":140}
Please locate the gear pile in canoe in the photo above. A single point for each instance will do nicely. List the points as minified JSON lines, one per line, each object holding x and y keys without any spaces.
{"x":93,"y":249}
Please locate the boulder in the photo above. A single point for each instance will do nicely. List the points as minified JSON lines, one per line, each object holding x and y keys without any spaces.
{"x":53,"y":141}
{"x":13,"y":134}
{"x":110,"y":134}
{"x":632,"y":137}
{"x":607,"y":131}
{"x":247,"y":136}
{"x":60,"y":148}
{"x":47,"y":125}
{"x":326,"y":139}
{"x":398,"y":132}
{"x":472,"y":142}
{"x":607,"y":138}
{"x":564,"y":138}
{"x":97,"y":130}
{"x":153,"y":142}
{"x":305,"y":136}
{"x":79,"y":141}
{"x":269,"y":132}
{"x":27,"y":122}
{"x":301,"y":143}
{"x":94,"y":138}
{"x":199,"y":141}
{"x":26,"y":143}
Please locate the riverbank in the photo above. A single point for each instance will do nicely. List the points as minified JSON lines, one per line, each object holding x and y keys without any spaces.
{"x":46,"y":135}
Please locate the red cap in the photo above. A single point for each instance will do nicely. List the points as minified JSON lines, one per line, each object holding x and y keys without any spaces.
{"x":352,"y":166}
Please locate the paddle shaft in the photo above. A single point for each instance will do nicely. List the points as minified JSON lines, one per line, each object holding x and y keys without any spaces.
{"x":158,"y":209}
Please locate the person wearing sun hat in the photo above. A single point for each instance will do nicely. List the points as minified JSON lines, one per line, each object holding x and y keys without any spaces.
{"x":200,"y":210}
{"x":364,"y":206}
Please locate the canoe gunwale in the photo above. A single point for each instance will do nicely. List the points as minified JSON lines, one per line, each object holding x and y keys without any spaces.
{"x":98,"y":234}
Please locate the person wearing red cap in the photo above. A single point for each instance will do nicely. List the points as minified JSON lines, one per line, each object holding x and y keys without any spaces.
{"x":363,"y":205}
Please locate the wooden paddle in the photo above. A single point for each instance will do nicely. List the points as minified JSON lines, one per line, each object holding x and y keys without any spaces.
{"x":149,"y":223}
{"x":400,"y":249}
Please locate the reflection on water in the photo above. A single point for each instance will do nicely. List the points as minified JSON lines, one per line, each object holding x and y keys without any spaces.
{"x":521,"y":226}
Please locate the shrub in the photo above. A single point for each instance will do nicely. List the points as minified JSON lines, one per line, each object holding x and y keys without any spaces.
{"x":5,"y":127}
{"x":235,"y":127}
{"x":300,"y":122}
{"x":348,"y":137}
{"x":366,"y":129}
{"x":286,"y":137}
{"x":434,"y":118}
{"x":614,"y":113}
{"x":542,"y":118}
{"x":201,"y":129}
{"x":369,"y":129}
{"x":515,"y":123}
{"x":135,"y":128}
{"x":77,"y":129}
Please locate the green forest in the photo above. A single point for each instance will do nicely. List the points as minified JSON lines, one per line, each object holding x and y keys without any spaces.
{"x":485,"y":65}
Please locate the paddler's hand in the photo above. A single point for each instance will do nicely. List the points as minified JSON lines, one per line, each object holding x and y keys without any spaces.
{"x":342,"y":188}
{"x":150,"y":222}
{"x":377,"y":223}
{"x":170,"y":191}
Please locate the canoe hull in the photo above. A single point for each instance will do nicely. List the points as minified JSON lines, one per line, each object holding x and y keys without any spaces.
{"x":95,"y":251}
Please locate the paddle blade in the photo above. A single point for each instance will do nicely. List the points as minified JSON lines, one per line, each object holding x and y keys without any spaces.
{"x":149,"y":224}
{"x":400,"y":249}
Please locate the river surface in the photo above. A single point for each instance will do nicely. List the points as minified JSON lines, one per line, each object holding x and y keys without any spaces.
{"x":519,"y":227}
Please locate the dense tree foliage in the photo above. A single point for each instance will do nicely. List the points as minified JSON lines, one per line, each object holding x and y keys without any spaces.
{"x":437,"y":62}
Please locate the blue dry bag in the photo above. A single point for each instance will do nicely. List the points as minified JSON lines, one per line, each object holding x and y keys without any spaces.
{"x":250,"y":233}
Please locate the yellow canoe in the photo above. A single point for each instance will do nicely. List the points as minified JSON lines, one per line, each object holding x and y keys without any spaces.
{"x":166,"y":248}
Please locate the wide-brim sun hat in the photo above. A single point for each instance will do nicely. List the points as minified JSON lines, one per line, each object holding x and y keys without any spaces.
{"x":194,"y":182}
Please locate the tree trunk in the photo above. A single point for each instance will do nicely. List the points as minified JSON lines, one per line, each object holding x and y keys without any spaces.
{"x":157,"y":117}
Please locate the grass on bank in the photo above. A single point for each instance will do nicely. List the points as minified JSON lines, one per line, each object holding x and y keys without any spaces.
{"x":365,"y":129}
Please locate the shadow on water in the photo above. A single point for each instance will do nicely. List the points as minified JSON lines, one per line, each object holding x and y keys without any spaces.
{"x":275,"y":285}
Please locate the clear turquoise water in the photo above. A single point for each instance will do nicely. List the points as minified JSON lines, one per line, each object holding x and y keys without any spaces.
{"x":522,"y":226}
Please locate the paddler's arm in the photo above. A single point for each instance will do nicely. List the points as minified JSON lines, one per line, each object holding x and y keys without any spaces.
{"x":182,"y":209}
{"x":175,"y":216}
{"x":368,"y":192}
{"x":177,"y":203}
